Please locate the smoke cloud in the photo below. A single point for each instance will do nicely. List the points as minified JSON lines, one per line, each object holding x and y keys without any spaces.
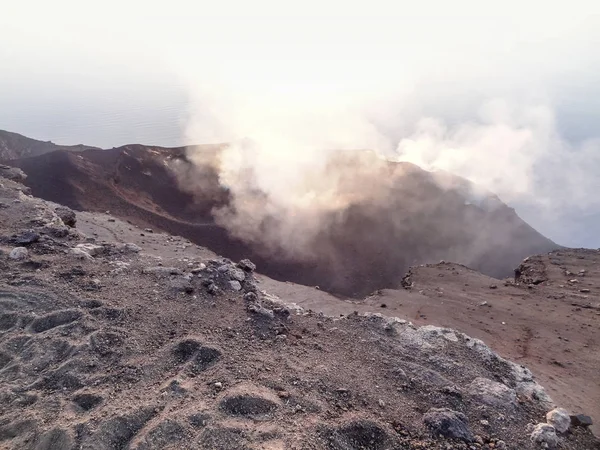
{"x":480,"y":96}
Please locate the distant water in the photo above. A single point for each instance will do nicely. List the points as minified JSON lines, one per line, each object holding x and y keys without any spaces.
{"x":99,"y":119}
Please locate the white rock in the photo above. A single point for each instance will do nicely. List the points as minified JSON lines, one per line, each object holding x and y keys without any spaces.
{"x":18,"y":253}
{"x":545,"y":435}
{"x":90,"y":249}
{"x":560,"y":419}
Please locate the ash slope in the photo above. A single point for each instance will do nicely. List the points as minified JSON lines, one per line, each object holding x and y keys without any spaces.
{"x":116,"y":351}
{"x":365,"y":247}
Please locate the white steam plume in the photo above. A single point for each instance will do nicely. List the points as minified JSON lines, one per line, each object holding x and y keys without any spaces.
{"x":470,"y":93}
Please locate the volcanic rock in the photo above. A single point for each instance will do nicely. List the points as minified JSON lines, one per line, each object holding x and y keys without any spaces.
{"x":448,"y":423}
{"x":67,"y":215}
{"x":18,"y":253}
{"x":544,"y":435}
{"x":559,"y":418}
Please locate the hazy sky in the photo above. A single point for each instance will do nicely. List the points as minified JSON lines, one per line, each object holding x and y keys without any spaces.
{"x":504,"y":93}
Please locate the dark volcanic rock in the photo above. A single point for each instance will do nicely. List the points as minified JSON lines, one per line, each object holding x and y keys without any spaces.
{"x":67,"y":215}
{"x":581,"y":420}
{"x":26,"y":238}
{"x":448,"y":423}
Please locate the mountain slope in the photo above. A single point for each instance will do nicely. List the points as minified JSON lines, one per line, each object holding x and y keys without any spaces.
{"x":15,"y":146}
{"x":366,"y":246}
{"x":113,"y":351}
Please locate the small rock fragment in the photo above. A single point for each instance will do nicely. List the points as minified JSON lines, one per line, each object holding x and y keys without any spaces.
{"x":259,"y":309}
{"x":163,"y":271}
{"x":212,"y":289}
{"x":250,"y":297}
{"x":198,"y":269}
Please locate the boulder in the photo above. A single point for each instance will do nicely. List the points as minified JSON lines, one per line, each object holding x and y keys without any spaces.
{"x":559,"y":418}
{"x":544,"y":435}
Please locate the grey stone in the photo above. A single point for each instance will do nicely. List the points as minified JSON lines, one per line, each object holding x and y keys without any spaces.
{"x":250,"y":297}
{"x":448,"y":423}
{"x":247,"y":265}
{"x":130,"y":247}
{"x":18,"y":253}
{"x":181,"y":284}
{"x":237,"y":274}
{"x":235,"y":285}
{"x":212,"y":289}
{"x":91,"y":249}
{"x":163,"y":271}
{"x":559,"y":418}
{"x":59,"y":231}
{"x":261,"y":310}
{"x":544,"y":435}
